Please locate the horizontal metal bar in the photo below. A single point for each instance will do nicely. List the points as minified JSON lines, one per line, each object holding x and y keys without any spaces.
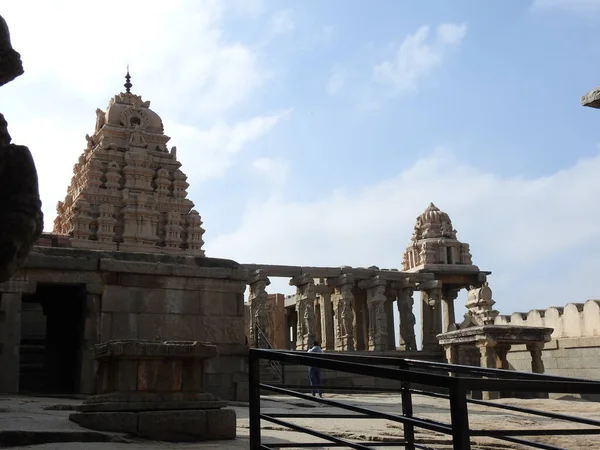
{"x":536,"y":412}
{"x":317,"y":416}
{"x":516,"y":385}
{"x":314,"y":433}
{"x":421,"y":423}
{"x":360,"y":369}
{"x":530,"y":443}
{"x":331,"y":445}
{"x":325,"y":387}
{"x":538,"y":432}
{"x":444,"y":367}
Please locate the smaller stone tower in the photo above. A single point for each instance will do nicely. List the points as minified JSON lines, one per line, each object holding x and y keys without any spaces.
{"x":128,"y":192}
{"x":434,"y":243}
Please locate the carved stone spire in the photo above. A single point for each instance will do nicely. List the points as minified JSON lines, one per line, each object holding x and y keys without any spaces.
{"x":434,"y":242}
{"x":128,"y":191}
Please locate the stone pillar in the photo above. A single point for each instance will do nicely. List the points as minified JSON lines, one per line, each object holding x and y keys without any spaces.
{"x":537,"y":364}
{"x":389,"y":312}
{"x":327,"y":326}
{"x":501,"y":356}
{"x":535,"y":349}
{"x":489,"y":361}
{"x":343,"y":314}
{"x":305,"y":304}
{"x":448,"y":297}
{"x":10,"y":331}
{"x":260,"y":307}
{"x":91,"y":337}
{"x":431,"y":316}
{"x":361,"y":319}
{"x":451,"y":351}
{"x":378,"y":322}
{"x":408,"y":341}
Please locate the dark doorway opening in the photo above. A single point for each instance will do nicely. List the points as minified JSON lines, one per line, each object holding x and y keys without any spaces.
{"x":51,"y":339}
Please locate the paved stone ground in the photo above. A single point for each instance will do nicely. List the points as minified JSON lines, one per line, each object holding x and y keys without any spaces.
{"x":43,"y":421}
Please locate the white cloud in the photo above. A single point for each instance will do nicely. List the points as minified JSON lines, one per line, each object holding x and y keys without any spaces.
{"x":418,"y":55}
{"x":521,"y":229}
{"x":176,"y":50}
{"x":275,"y":170}
{"x":576,"y":6}
{"x":179,"y":59}
{"x":209,"y":153}
{"x":336,"y":81}
{"x":282,"y":22}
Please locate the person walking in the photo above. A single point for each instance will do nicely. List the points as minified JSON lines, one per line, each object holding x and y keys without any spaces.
{"x":314,"y":373}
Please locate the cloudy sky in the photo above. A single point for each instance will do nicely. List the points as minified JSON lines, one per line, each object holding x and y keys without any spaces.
{"x":314,"y":133}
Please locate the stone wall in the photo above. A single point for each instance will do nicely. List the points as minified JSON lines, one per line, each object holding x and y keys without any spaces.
{"x":138,"y":296}
{"x":575,"y":347}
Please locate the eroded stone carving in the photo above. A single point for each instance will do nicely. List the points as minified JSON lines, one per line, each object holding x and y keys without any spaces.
{"x":21,"y":219}
{"x":479,"y":305}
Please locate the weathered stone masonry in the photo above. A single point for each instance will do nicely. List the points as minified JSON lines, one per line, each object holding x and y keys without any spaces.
{"x":137,"y":296}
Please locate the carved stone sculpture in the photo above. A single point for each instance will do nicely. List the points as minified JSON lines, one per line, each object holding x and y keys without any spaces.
{"x":21,"y":219}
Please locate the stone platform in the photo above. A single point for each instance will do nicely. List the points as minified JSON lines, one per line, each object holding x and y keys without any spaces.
{"x":154,"y":390}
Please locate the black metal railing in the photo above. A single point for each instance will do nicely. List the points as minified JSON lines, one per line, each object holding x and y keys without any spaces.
{"x":447,"y":381}
{"x":262,"y":342}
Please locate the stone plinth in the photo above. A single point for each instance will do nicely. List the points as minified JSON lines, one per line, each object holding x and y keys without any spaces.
{"x":155,"y":390}
{"x":494,"y":342}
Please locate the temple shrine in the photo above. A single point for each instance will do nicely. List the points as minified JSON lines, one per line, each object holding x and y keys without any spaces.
{"x":128,"y":192}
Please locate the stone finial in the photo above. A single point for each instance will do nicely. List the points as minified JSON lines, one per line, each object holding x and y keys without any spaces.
{"x":434,"y":241}
{"x":128,"y":84}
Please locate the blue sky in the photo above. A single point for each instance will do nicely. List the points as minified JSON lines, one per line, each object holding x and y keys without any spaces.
{"x":315,"y":132}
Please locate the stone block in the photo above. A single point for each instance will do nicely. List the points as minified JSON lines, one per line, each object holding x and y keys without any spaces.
{"x":221,"y":424}
{"x":169,"y":326}
{"x":221,"y":330}
{"x":18,"y":286}
{"x":159,"y":375}
{"x":187,"y":426}
{"x":151,"y":268}
{"x":580,"y":342}
{"x":123,"y":326}
{"x":66,"y":261}
{"x":118,"y":422}
{"x":178,"y":327}
{"x":105,"y":327}
{"x":242,"y":391}
{"x":146,"y":300}
{"x":64,"y":276}
{"x":221,"y":303}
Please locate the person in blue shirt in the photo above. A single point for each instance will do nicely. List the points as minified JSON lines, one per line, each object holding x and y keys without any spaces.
{"x":314,"y":373}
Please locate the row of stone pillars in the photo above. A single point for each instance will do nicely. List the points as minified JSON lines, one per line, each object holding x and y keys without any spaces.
{"x":346,"y":314}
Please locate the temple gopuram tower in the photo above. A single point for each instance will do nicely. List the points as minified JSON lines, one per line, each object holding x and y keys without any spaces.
{"x":435,"y":248}
{"x":128,"y":192}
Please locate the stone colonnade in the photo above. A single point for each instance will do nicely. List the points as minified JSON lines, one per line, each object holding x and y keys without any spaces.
{"x":354,"y":312}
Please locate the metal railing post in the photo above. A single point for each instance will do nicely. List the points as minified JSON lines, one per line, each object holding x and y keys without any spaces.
{"x":407,"y":411}
{"x":254,"y":398}
{"x":459,"y":416}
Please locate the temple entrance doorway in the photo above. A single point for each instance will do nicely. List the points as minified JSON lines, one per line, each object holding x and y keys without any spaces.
{"x":51,"y":339}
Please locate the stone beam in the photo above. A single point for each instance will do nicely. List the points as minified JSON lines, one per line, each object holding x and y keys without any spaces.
{"x":592,"y":99}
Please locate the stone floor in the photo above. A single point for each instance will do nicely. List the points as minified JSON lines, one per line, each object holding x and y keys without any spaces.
{"x":43,"y":423}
